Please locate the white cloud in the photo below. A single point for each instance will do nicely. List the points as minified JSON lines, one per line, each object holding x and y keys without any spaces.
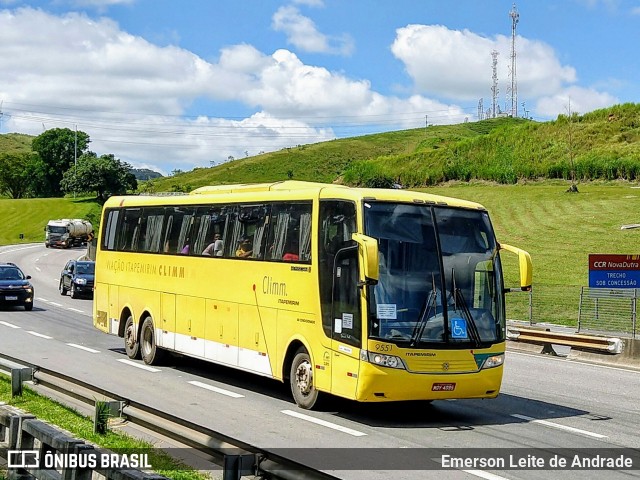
{"x":302,"y":32}
{"x":130,"y":95}
{"x":575,"y":99}
{"x":457,"y":64}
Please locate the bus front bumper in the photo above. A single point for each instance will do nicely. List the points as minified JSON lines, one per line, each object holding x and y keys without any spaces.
{"x":378,"y":384}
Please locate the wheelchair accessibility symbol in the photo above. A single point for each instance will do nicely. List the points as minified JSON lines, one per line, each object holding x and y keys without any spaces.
{"x":458,"y":328}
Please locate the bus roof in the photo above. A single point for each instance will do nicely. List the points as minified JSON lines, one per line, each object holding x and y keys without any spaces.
{"x":247,"y":191}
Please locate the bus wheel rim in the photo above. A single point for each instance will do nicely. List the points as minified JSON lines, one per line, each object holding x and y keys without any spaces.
{"x":129,"y":337}
{"x":304,"y":378}
{"x":147,"y":340}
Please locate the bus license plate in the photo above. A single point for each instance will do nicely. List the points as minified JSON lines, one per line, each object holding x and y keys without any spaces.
{"x":10,"y":297}
{"x":443,"y":387}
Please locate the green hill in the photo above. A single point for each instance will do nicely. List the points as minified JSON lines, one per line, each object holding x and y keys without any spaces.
{"x":15,"y":143}
{"x":601,"y":145}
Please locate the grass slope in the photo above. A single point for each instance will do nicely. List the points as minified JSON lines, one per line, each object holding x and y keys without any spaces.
{"x":29,"y":216}
{"x":15,"y":143}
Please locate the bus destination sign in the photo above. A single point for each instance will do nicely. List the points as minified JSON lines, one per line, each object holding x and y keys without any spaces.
{"x":614,"y":271}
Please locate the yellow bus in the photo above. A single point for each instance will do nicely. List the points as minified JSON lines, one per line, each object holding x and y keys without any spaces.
{"x":369,"y":294}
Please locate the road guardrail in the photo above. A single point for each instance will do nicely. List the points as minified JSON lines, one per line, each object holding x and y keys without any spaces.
{"x":236,"y":458}
{"x":578,"y":341}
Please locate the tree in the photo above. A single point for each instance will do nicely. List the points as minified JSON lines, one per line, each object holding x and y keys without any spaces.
{"x":57,"y":149}
{"x":104,"y":175}
{"x":16,"y":173}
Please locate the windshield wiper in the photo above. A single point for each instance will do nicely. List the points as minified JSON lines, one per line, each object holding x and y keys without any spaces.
{"x":429,"y":305}
{"x":458,"y":299}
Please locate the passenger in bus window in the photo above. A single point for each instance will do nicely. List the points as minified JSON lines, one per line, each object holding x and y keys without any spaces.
{"x":292,"y":251}
{"x":186,"y":247}
{"x":214,"y":249}
{"x":245,"y":249}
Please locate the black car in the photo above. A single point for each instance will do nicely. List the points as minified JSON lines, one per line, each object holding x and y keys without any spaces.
{"x":15,"y":288}
{"x":77,"y":278}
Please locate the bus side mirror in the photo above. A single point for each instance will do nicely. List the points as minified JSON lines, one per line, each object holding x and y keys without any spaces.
{"x":524,"y":262}
{"x":368,"y":251}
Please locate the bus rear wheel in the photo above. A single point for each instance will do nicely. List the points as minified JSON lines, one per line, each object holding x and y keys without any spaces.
{"x":151,"y":354}
{"x":301,"y":379}
{"x":131,"y":345}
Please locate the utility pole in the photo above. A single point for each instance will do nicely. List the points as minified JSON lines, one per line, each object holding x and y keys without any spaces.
{"x":75,"y":161}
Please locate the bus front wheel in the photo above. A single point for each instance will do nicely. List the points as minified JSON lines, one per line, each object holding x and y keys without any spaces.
{"x":301,"y":378}
{"x":131,"y":345}
{"x":151,"y":354}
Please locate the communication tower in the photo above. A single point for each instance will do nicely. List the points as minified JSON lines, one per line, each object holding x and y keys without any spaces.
{"x":494,"y":85}
{"x":513,"y":91}
{"x":480,"y":110}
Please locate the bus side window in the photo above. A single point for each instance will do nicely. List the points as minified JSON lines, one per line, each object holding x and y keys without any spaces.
{"x":178,"y":225}
{"x":290,"y":232}
{"x":129,"y":230}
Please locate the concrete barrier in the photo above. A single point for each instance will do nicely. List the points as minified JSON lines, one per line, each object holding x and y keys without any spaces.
{"x":629,"y":357}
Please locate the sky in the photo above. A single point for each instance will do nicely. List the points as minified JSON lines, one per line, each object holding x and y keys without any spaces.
{"x":176,"y":85}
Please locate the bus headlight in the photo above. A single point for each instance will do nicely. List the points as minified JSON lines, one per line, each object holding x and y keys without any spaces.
{"x":390,"y":361}
{"x":493,"y":361}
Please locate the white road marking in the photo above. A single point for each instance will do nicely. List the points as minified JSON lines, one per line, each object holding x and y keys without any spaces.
{"x":75,"y":310}
{"x":81,"y":347}
{"x":324,"y":423}
{"x":478,"y":473}
{"x":558,"y":426}
{"x":36,"y":334}
{"x":56,"y":304}
{"x":216,"y":389}
{"x":38,"y":269}
{"x":19,"y":249}
{"x":140,"y":365}
{"x":486,"y":475}
{"x":10,"y":325}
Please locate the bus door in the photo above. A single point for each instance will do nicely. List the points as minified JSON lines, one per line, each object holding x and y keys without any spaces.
{"x":346,"y":335}
{"x":338,"y":273}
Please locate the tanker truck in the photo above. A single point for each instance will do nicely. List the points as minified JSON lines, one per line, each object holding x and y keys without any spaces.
{"x":67,"y":232}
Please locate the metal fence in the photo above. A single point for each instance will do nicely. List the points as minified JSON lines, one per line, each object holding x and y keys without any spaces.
{"x":614,"y":309}
{"x":585,"y":309}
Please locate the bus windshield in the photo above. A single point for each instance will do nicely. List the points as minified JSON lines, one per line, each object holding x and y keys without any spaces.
{"x":440,"y":281}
